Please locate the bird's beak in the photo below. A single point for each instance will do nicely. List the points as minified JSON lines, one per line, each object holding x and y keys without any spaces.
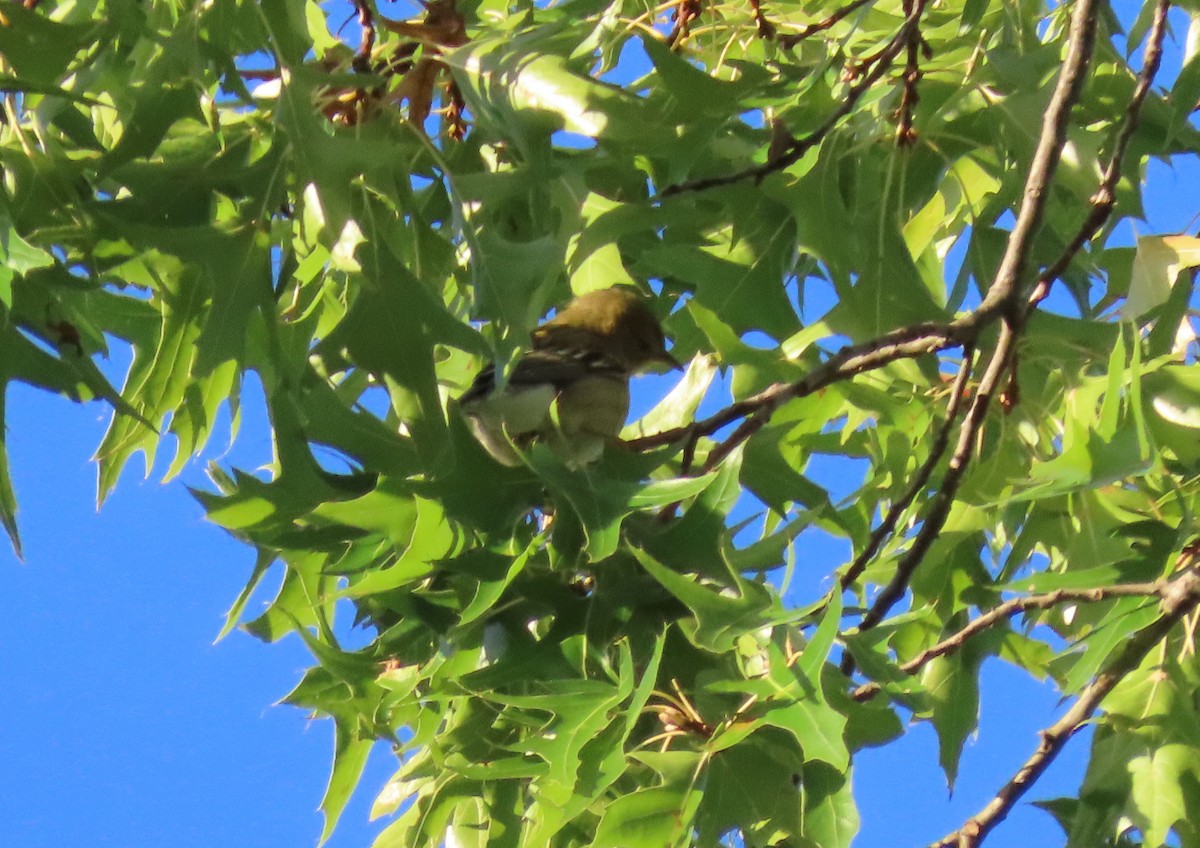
{"x":665,"y":362}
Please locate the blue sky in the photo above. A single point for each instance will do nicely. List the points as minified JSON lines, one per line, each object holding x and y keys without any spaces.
{"x":125,"y":725}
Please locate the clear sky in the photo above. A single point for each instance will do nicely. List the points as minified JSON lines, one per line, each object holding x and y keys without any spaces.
{"x":123,"y":724}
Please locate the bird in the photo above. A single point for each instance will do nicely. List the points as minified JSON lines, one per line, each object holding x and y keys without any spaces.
{"x":571,"y":388}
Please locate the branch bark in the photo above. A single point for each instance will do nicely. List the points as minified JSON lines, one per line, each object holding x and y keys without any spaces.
{"x":1105,"y":197}
{"x":796,"y":150}
{"x":1004,"y":299}
{"x":1080,"y":43}
{"x":1007,"y":610}
{"x":940,"y":443}
{"x":1180,"y":596}
{"x":790,"y":40}
{"x":905,"y":343}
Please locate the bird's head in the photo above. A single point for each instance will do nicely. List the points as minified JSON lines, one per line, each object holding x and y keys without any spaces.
{"x":615,"y":322}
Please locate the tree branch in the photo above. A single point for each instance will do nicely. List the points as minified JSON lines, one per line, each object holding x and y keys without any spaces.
{"x":1180,"y":596}
{"x":766,"y":29}
{"x":1080,"y":43}
{"x":790,"y":40}
{"x":906,"y":134}
{"x":1000,"y":299}
{"x":686,"y":11}
{"x":915,"y":341}
{"x":795,"y":151}
{"x":1105,"y":198}
{"x":366,"y":22}
{"x":904,"y":343}
{"x":1007,"y":610}
{"x":940,"y":443}
{"x":940,"y":504}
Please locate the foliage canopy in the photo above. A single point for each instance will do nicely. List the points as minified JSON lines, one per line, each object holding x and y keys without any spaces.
{"x":851,"y":215}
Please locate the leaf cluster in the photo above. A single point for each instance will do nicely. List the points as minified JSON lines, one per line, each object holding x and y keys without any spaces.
{"x":656,"y":650}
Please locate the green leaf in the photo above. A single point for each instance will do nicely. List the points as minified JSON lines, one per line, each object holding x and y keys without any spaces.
{"x":234,"y":615}
{"x":953,"y":686}
{"x":752,"y":786}
{"x":156,"y":383}
{"x":817,"y":727}
{"x":831,"y":817}
{"x":602,"y":503}
{"x":40,"y":49}
{"x":8,"y":499}
{"x":1105,"y":787}
{"x":510,"y":80}
{"x":656,"y":816}
{"x":694,"y":93}
{"x":720,"y":616}
{"x":1157,"y":795}
{"x":349,"y":759}
{"x":1126,"y":616}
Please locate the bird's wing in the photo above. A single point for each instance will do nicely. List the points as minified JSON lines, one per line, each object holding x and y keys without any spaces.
{"x":481,"y":386}
{"x":555,"y":367}
{"x":562,"y":367}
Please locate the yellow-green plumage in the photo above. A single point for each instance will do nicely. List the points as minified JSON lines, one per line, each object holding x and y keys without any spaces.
{"x":579,"y":365}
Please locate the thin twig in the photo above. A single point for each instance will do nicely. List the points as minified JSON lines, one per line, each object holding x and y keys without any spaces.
{"x":362,"y":60}
{"x":442,"y":27}
{"x":1105,"y":198}
{"x":1179,"y":597}
{"x":940,"y":504}
{"x":686,"y":11}
{"x":258,"y":74}
{"x":1007,"y":610}
{"x":792,"y":39}
{"x":857,"y":68}
{"x":740,"y":434}
{"x":906,"y":134}
{"x":904,"y":343}
{"x":795,"y":152}
{"x":917,"y":485}
{"x":766,"y":29}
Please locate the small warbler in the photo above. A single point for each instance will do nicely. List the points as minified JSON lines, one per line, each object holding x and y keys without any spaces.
{"x":580,"y":363}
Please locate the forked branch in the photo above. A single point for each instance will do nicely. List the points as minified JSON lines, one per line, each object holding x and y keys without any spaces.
{"x":1105,"y":197}
{"x":1007,"y":610}
{"x":917,"y":485}
{"x":1180,"y":596}
{"x":795,"y":151}
{"x":1004,"y":298}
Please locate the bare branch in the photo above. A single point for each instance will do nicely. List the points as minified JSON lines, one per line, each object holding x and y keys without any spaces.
{"x":1105,"y":198}
{"x":940,"y":443}
{"x":1007,"y":610}
{"x":362,"y":60}
{"x":939,"y":506}
{"x":257,"y":74}
{"x":904,"y":343}
{"x":1180,"y":596}
{"x":686,"y":11}
{"x":743,"y":432}
{"x":766,"y":29}
{"x":1000,"y":298}
{"x":1080,"y":43}
{"x":792,"y":39}
{"x":442,"y":28}
{"x":795,"y":152}
{"x":906,"y":134}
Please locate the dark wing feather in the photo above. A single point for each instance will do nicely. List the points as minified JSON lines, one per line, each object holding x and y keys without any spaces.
{"x":558,"y":368}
